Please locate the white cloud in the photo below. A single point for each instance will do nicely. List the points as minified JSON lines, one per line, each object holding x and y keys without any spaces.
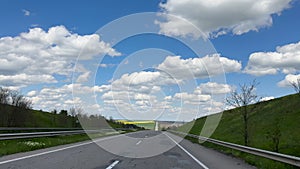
{"x":74,"y":101}
{"x":103,"y":65}
{"x":290,"y":78}
{"x":213,"y":88}
{"x":143,"y":81}
{"x":286,"y":59}
{"x":136,"y":86}
{"x":81,"y":89}
{"x":267,"y":98}
{"x":66,"y":96}
{"x":168,"y":98}
{"x":134,"y":94}
{"x":204,"y":67}
{"x":31,"y":93}
{"x":36,"y":56}
{"x":219,"y":17}
{"x":23,"y":79}
{"x":26,"y":12}
{"x":192,"y":98}
{"x":203,"y":94}
{"x":83,"y":77}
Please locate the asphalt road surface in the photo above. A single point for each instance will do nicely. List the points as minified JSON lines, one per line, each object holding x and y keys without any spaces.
{"x":141,"y":150}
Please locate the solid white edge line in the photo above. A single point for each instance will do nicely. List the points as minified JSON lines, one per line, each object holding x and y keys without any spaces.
{"x":56,"y":150}
{"x":112,"y":165}
{"x":188,"y":153}
{"x":139,"y":142}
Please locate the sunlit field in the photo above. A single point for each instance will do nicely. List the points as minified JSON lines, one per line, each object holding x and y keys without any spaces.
{"x":149,"y":124}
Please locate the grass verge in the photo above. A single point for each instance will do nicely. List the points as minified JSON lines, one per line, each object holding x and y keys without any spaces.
{"x":257,"y":161}
{"x":23,"y":145}
{"x":277,"y":119}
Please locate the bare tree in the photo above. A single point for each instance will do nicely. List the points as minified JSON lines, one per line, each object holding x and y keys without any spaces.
{"x":296,"y":85}
{"x":4,"y":95}
{"x":54,"y":111}
{"x":72,"y":112}
{"x":79,"y":110}
{"x":19,"y":100}
{"x":25,"y":103}
{"x":15,"y":97}
{"x":241,"y":99}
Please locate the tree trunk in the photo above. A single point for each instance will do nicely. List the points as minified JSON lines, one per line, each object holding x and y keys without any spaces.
{"x":246,"y":134}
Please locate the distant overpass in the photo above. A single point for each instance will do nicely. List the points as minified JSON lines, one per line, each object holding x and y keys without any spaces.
{"x":159,"y":125}
{"x":153,"y":124}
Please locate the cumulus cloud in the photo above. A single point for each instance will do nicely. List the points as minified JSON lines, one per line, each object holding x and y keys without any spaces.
{"x":50,"y":98}
{"x":285,"y":59}
{"x":134,"y":94}
{"x":203,"y":93}
{"x":74,"y":101}
{"x":144,"y":81}
{"x":215,"y":18}
{"x":31,"y":93}
{"x":199,"y":102}
{"x":22,"y":79}
{"x":103,"y":65}
{"x":133,"y":101}
{"x":213,"y":88}
{"x":204,"y":67}
{"x":83,"y":77}
{"x":36,"y":56}
{"x":138,"y":95}
{"x":192,"y":98}
{"x":267,"y":98}
{"x":136,"y":86}
{"x":290,"y":78}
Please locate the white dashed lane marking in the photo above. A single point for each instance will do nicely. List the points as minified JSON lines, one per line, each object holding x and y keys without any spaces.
{"x":112,"y":165}
{"x":139,"y":142}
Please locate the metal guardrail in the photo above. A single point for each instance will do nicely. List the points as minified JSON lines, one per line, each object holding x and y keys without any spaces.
{"x":32,"y":128}
{"x":11,"y":136}
{"x":55,"y":129}
{"x":53,"y":132}
{"x":292,"y":160}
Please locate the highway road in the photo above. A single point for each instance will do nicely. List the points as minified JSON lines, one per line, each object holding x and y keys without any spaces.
{"x":141,"y":150}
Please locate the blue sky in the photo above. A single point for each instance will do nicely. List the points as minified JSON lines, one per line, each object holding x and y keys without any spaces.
{"x":42,"y":40}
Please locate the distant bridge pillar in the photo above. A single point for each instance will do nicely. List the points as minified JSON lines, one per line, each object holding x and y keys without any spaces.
{"x":156,"y":126}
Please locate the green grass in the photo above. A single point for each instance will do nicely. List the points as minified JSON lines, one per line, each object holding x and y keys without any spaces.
{"x":11,"y":116}
{"x":22,"y":145}
{"x":284,"y":112}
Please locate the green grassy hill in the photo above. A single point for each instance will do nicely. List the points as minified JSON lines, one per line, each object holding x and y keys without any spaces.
{"x":268,"y":119}
{"x":11,"y":116}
